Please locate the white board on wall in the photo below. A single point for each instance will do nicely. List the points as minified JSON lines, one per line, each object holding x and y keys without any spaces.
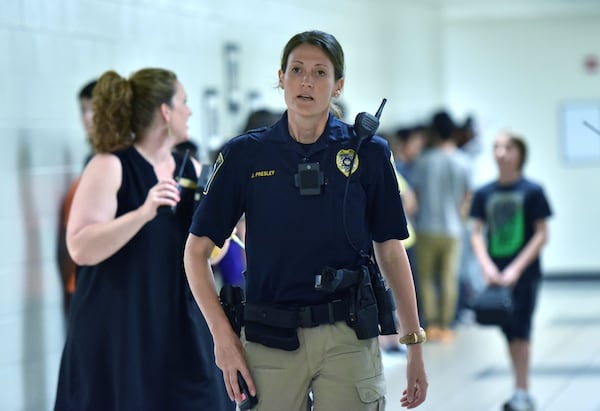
{"x":580,"y":129}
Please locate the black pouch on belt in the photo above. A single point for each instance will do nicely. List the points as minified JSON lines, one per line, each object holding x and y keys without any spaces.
{"x":272,"y":328}
{"x":273,"y":337}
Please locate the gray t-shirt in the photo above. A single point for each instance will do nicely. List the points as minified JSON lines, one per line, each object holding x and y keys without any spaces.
{"x":441,"y":178}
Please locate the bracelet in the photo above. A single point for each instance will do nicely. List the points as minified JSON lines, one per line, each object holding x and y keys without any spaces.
{"x":414,"y":337}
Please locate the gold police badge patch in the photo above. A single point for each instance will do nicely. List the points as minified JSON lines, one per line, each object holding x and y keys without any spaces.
{"x":343,"y":160}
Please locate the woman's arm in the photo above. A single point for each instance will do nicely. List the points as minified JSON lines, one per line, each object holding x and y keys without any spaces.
{"x":93,"y":232}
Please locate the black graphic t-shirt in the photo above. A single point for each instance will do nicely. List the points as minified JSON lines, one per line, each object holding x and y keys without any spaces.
{"x":509,"y":213}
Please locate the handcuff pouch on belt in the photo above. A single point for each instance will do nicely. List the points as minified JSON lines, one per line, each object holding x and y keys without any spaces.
{"x":270,"y":327}
{"x":362,"y":314}
{"x":266,"y":325}
{"x":371,"y":304}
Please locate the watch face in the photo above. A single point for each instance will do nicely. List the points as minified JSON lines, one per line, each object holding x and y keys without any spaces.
{"x":414,"y":337}
{"x":409,"y":338}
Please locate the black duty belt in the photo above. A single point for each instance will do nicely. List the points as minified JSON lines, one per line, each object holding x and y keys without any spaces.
{"x":305,"y":317}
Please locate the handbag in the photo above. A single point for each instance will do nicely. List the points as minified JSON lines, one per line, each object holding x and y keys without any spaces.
{"x":494,"y":306}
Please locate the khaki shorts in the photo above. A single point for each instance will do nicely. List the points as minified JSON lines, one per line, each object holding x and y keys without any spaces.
{"x":345,"y":373}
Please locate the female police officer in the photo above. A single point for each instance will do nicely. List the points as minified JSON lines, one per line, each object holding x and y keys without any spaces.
{"x":313,"y":214}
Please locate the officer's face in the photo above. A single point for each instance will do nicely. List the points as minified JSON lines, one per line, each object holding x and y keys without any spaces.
{"x":309,"y":81}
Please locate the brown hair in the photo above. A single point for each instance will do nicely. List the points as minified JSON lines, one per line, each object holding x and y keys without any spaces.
{"x":125,"y":108}
{"x":519,"y":142}
{"x":330,"y":46}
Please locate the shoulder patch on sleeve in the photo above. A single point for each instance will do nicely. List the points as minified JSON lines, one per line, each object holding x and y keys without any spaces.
{"x":218,"y":163}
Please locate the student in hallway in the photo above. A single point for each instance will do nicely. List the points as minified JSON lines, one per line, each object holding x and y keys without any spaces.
{"x":512,"y":210}
{"x":66,"y":265}
{"x":442,"y":182}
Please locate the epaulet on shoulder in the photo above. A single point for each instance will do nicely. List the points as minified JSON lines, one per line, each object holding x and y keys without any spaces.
{"x":256,"y":130}
{"x":379,"y":139}
{"x":376,"y":140}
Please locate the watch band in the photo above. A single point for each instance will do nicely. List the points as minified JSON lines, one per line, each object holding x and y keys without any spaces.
{"x":414,"y":337}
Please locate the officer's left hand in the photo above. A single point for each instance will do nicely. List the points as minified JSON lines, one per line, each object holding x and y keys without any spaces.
{"x":416,"y":379}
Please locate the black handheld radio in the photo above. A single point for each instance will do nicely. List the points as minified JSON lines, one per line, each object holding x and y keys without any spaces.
{"x":180,"y":176}
{"x":366,"y":125}
{"x":248,"y":401}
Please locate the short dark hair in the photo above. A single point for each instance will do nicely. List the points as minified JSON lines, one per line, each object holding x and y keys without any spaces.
{"x":443,"y":124}
{"x":87,"y":90}
{"x":404,"y":134}
{"x":261,"y":118}
{"x":325,"y":41}
{"x":521,"y":146}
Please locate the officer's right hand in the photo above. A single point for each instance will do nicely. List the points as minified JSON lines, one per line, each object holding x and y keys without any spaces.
{"x":230,"y":358}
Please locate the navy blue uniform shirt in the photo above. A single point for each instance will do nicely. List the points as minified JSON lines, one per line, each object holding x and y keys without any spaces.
{"x":290,"y":237}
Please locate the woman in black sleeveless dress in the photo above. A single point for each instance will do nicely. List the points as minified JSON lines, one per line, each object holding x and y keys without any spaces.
{"x":136,"y":339}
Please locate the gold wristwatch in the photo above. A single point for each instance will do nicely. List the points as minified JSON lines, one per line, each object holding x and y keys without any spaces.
{"x":414,"y":337}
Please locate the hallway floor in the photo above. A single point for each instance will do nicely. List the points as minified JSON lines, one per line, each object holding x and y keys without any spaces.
{"x":473,"y":372}
{"x":470,"y":374}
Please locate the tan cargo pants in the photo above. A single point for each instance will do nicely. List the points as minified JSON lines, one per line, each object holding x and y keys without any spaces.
{"x":343,"y":372}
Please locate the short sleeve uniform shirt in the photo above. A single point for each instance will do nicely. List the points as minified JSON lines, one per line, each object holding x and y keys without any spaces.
{"x":291,"y":237}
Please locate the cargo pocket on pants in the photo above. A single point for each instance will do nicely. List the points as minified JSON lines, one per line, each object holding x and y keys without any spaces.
{"x":372,"y":391}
